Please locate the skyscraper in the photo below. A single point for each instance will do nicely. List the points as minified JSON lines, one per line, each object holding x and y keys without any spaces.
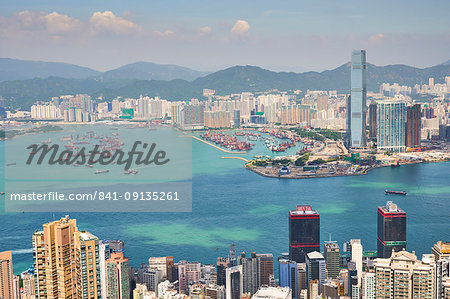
{"x":331,"y":252}
{"x":266,"y":267}
{"x":251,"y":272}
{"x":441,"y":254}
{"x":315,"y":268}
{"x":6,"y":275}
{"x":357,"y":252}
{"x":413,"y":125}
{"x":288,"y":275}
{"x":107,"y":247}
{"x":391,"y":230}
{"x":234,"y":282}
{"x":118,"y":276}
{"x":391,"y":120}
{"x":222,"y":264}
{"x":304,"y":232}
{"x":165,"y":264}
{"x":356,"y":108}
{"x":62,"y":255}
{"x":373,"y":120}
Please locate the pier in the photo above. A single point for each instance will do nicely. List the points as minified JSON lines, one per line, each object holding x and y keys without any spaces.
{"x":219,"y":148}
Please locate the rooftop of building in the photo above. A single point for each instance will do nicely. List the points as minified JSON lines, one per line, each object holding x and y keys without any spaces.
{"x":303,"y":210}
{"x":315,"y":255}
{"x":87,"y":236}
{"x":391,"y":208}
{"x":273,"y":292}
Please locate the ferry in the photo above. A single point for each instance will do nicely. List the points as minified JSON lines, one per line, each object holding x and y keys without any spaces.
{"x":131,"y":171}
{"x":394,"y":192}
{"x":101,"y":171}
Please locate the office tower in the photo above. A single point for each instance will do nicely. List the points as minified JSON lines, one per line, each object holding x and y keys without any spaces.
{"x":403,"y":276}
{"x":188,"y":272}
{"x":288,"y":275}
{"x":165,"y":264}
{"x":236,"y":118}
{"x":251,"y":272}
{"x":352,"y":279}
{"x":61,"y":253}
{"x":266,"y":267}
{"x":391,"y":230}
{"x":273,"y":293}
{"x":413,"y":125}
{"x":368,"y":285}
{"x":118,"y":276}
{"x":355,"y":292}
{"x":373,"y":120}
{"x":221,"y":265}
{"x":234,"y":282}
{"x":6,"y":275}
{"x":304,"y":232}
{"x":356,"y":108}
{"x":302,"y":281}
{"x":191,"y":116}
{"x":391,"y":120}
{"x":332,"y":258}
{"x":441,"y":254}
{"x":357,"y":251}
{"x":315,"y":268}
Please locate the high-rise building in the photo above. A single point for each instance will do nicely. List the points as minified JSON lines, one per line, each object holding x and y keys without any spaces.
{"x":441,"y":254}
{"x":234,"y":282}
{"x":332,"y":259}
{"x":373,"y":120}
{"x":304,"y":232}
{"x":315,"y":268}
{"x":251,"y":272}
{"x":302,"y":281}
{"x":357,"y":256}
{"x":273,"y":293}
{"x":356,"y":108}
{"x":266,"y":267}
{"x":288,"y":275}
{"x":391,"y":229}
{"x":107,"y":247}
{"x":188,"y":272}
{"x":236,"y":118}
{"x":413,"y":125}
{"x":6,"y":275}
{"x":221,"y":265}
{"x":118,"y":276}
{"x":151,"y":278}
{"x":66,"y":261}
{"x":165,"y":264}
{"x":403,"y":276}
{"x":368,"y":285}
{"x":391,"y":120}
{"x":322,"y":102}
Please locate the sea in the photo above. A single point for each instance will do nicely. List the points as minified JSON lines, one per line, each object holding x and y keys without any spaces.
{"x":232,"y":205}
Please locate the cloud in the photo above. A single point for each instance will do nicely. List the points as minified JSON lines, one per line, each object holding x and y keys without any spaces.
{"x":376,"y":38}
{"x":167,"y":33}
{"x":106,"y":21}
{"x":60,"y":24}
{"x":206,"y":30}
{"x":240,"y":28}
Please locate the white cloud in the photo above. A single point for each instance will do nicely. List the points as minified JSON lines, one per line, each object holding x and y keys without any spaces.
{"x":108,"y":22}
{"x":376,"y":38}
{"x":206,"y":30}
{"x":60,"y":24}
{"x":167,"y":33}
{"x":240,"y":28}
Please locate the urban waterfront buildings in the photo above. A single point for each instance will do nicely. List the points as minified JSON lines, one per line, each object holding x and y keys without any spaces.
{"x":234,"y":282}
{"x":356,"y":108}
{"x":413,"y":125}
{"x":315,"y":269}
{"x":332,"y":259}
{"x":6,"y":276}
{"x":288,"y":275}
{"x":304,"y":232}
{"x":118,"y":276}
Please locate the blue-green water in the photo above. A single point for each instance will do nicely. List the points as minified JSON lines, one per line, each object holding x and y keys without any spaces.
{"x":234,"y":205}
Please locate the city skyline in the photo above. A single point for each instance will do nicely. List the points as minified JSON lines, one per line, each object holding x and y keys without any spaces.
{"x":214,"y":36}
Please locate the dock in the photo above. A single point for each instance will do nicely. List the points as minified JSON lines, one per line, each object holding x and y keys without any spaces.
{"x":219,"y":148}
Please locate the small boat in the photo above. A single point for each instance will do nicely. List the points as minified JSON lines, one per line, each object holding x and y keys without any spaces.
{"x":75,"y":164}
{"x":131,"y":171}
{"x":395,"y":192}
{"x":101,"y":171}
{"x":89,"y":165}
{"x":11,"y":164}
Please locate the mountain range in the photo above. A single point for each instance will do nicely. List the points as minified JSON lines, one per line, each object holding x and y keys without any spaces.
{"x":179,"y":83}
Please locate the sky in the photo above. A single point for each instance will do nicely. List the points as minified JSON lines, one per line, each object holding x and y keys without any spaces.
{"x":209,"y":35}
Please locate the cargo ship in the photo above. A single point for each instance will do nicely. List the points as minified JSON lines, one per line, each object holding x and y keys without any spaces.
{"x":395,"y":192}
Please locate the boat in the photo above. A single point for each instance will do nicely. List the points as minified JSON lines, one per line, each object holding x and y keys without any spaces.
{"x":395,"y":192}
{"x":101,"y":171}
{"x":89,"y":165}
{"x":75,"y":164}
{"x":131,"y":171}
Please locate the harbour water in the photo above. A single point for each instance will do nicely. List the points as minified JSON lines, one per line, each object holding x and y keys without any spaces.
{"x":234,"y":205}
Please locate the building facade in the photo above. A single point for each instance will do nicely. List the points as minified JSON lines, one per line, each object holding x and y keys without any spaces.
{"x":391,"y":230}
{"x":304,"y":232}
{"x":357,"y":108}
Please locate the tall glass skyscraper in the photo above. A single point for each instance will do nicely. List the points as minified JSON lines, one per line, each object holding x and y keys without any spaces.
{"x":356,"y":107}
{"x":304,"y":232}
{"x":391,"y":119}
{"x":391,"y":230}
